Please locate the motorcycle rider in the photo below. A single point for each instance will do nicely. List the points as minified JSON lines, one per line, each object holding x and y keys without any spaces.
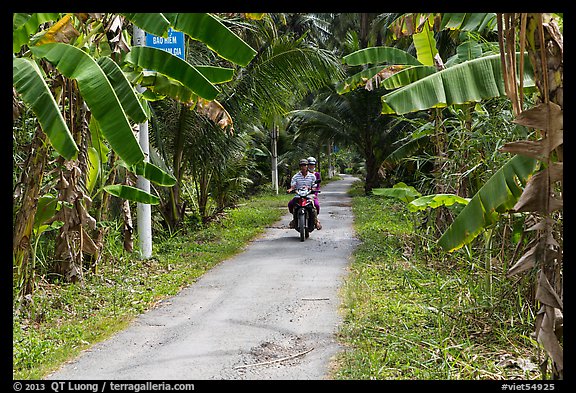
{"x":301,"y":178}
{"x":312,"y":169}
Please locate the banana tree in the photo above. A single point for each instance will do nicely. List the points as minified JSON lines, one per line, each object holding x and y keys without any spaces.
{"x":397,"y":70}
{"x":506,"y":74}
{"x":416,"y":85}
{"x":466,"y":82}
{"x":87,"y":93}
{"x":104,"y":94}
{"x":542,"y":198}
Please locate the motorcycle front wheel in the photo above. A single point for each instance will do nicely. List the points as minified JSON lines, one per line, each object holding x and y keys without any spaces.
{"x":302,"y":226}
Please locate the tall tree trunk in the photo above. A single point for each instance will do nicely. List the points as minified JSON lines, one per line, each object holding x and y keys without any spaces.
{"x":73,"y":239}
{"x":102,"y":212}
{"x":373,"y":179}
{"x":31,"y":179}
{"x":174,"y":210}
{"x":545,"y":50}
{"x":128,"y":229}
{"x":68,"y":249}
{"x":542,"y":196}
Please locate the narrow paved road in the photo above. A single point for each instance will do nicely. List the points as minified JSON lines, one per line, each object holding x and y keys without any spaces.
{"x":271,"y":312}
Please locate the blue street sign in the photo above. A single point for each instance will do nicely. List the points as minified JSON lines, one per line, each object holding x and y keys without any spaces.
{"x":174,"y":43}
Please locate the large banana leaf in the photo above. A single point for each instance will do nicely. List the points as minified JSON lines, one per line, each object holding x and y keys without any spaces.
{"x":475,"y":21}
{"x":380,"y":54}
{"x":209,"y":30}
{"x":425,"y":45}
{"x":23,"y":30}
{"x":174,"y":67}
{"x":153,"y":23}
{"x":154,"y":174}
{"x":123,"y":89}
{"x":499,"y":194}
{"x":98,"y":95}
{"x":407,"y":76}
{"x":132,"y":194}
{"x":216,"y":75}
{"x":434,"y":201}
{"x":29,"y":82}
{"x":471,"y":81}
{"x":400,"y":191}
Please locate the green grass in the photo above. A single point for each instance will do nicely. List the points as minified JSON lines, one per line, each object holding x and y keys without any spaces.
{"x":413,"y":313}
{"x":62,"y":319}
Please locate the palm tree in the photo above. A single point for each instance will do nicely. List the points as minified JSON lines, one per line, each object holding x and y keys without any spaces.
{"x":354,"y":120}
{"x":287,"y":69}
{"x":202,"y":152}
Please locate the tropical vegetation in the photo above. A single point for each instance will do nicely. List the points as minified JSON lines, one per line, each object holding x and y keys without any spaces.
{"x":412,"y":312}
{"x":459,"y":116}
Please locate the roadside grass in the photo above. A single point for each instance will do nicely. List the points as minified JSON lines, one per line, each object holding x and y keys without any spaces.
{"x":63,"y":319}
{"x":416,"y":313}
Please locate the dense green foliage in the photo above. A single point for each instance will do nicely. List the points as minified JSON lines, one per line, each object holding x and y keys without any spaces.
{"x":396,"y":98}
{"x":412,"y":311}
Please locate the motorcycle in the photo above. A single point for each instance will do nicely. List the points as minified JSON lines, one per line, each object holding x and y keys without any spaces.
{"x":304,"y":214}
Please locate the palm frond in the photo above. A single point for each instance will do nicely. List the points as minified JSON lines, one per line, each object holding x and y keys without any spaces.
{"x":283,"y":73}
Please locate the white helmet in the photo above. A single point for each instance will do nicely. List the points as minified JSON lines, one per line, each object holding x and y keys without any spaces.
{"x":311,"y":161}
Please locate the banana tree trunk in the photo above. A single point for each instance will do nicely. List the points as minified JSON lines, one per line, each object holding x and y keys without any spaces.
{"x":25,"y":218}
{"x":68,"y":249}
{"x":128,"y":229}
{"x":73,"y":239}
{"x":545,"y":50}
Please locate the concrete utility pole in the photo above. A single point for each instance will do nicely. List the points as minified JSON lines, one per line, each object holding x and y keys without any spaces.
{"x":330,"y":164}
{"x":143,"y":211}
{"x":274,"y":152}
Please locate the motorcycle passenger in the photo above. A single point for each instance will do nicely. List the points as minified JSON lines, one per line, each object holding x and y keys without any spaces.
{"x":312,"y":169}
{"x":300,"y":179}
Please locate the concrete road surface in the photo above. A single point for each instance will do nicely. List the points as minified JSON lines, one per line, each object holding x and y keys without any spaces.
{"x":271,"y":312}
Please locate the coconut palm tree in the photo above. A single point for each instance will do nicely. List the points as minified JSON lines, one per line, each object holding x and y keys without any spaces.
{"x":353,"y":120}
